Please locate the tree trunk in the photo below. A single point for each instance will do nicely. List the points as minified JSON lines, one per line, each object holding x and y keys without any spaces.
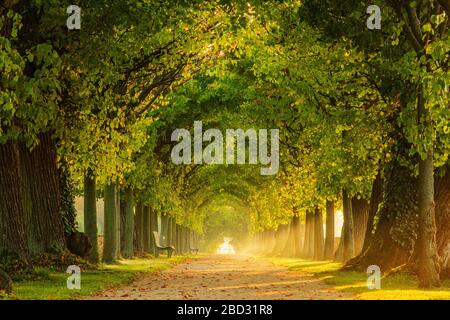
{"x":183,"y":239}
{"x":118,"y":223}
{"x":392,"y":244}
{"x":153,"y":228}
{"x":318,"y":234}
{"x":110,"y":236}
{"x":329,"y":239}
{"x":13,"y":238}
{"x":280,"y":239}
{"x":129,"y":223}
{"x":309,"y":233}
{"x":290,"y":246}
{"x":178,"y":240}
{"x":42,"y":201}
{"x":296,"y":228}
{"x":349,"y":244}
{"x":169,"y":231}
{"x":360,"y":211}
{"x":146,"y":228}
{"x":90,"y":215}
{"x":428,"y":261}
{"x":123,"y":225}
{"x":442,"y":199}
{"x":186,"y":240}
{"x":172,"y":239}
{"x":375,"y":199}
{"x":164,"y":227}
{"x":139,"y":226}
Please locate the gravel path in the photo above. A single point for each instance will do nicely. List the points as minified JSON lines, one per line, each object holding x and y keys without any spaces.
{"x":224,"y":277}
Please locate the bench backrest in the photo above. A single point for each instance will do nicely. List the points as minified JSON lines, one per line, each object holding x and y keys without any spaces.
{"x":156,"y":234}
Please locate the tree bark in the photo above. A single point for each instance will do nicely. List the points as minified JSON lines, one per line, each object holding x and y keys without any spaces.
{"x":90,"y":215}
{"x":375,"y":199}
{"x":42,"y":201}
{"x":349,"y":244}
{"x":139,"y":226}
{"x":178,"y":245}
{"x":118,"y":223}
{"x":318,"y":234}
{"x":442,"y":199}
{"x":122,"y":221}
{"x":298,"y":240}
{"x":290,"y":247}
{"x":129,"y":224}
{"x":428,"y":261}
{"x":146,"y":228}
{"x":13,"y":238}
{"x":329,"y":239}
{"x":173,"y":232}
{"x":110,"y":236}
{"x":393,"y":242}
{"x":169,"y":231}
{"x":164,"y":227}
{"x":360,"y":211}
{"x":280,"y":239}
{"x":153,"y":228}
{"x":309,"y":234}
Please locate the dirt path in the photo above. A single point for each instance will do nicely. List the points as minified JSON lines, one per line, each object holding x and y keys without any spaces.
{"x":224,"y":277}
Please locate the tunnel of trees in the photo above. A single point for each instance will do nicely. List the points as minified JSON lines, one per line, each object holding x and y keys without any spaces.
{"x":363,"y":118}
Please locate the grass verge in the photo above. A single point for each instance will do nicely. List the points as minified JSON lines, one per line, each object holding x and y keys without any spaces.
{"x":393,"y":287}
{"x":50,"y":284}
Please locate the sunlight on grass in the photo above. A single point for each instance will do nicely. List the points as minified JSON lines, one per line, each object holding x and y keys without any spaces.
{"x":51,"y":284}
{"x":393,"y":287}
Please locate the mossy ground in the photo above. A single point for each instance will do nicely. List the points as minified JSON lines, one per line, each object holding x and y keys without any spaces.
{"x":396,"y":286}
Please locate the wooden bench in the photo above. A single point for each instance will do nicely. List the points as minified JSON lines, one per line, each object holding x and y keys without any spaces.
{"x":169,"y":249}
{"x":195,"y":250}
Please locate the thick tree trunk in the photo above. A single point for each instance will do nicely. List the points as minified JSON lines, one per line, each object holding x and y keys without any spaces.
{"x":183,"y":240}
{"x":173,"y":232}
{"x":169,"y":231}
{"x":118,"y":223}
{"x":291,"y":243}
{"x":339,"y":253}
{"x":375,"y":199}
{"x":392,"y":244}
{"x":442,"y":199}
{"x":139,"y":226}
{"x":123,"y":222}
{"x":280,"y":239}
{"x":13,"y":237}
{"x":90,"y":215}
{"x":164,"y":227}
{"x":428,"y":261}
{"x":146,"y":229}
{"x":360,"y":211}
{"x":298,"y":240}
{"x":318,"y":234}
{"x":349,"y":243}
{"x":42,"y":201}
{"x":110,"y":236}
{"x":153,"y":228}
{"x":329,"y":238}
{"x":187,"y":240}
{"x":309,"y":234}
{"x":129,"y":223}
{"x":178,"y":246}
{"x":312,"y":236}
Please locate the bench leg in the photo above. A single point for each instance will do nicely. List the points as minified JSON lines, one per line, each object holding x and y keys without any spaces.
{"x":169,"y":253}
{"x":157,"y":253}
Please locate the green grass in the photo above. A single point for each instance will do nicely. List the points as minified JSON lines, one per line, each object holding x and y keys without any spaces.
{"x":397,"y":286}
{"x":51,"y":284}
